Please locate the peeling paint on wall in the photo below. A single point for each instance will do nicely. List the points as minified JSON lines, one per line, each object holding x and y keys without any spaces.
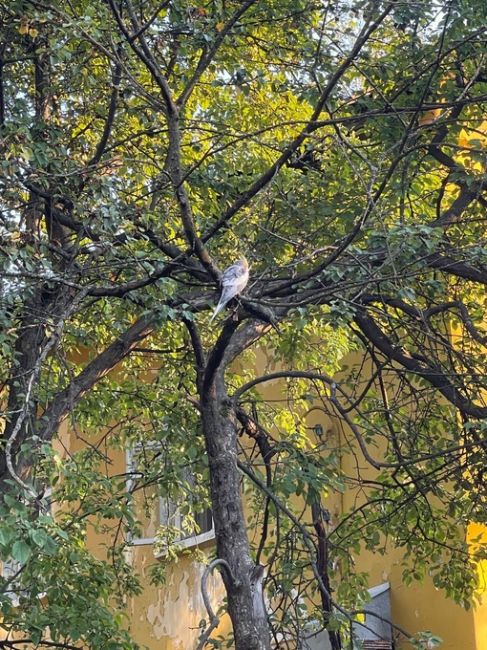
{"x":170,"y":615}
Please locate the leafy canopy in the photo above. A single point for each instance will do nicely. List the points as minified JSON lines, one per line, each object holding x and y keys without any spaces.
{"x":146,"y":145}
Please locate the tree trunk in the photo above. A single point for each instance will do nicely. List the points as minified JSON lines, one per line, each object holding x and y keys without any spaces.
{"x":245,"y":603}
{"x":27,"y":350}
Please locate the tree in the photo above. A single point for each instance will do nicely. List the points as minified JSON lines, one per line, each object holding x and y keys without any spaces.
{"x":340,"y":147}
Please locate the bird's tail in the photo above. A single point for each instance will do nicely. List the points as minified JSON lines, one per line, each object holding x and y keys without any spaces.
{"x":218,"y":309}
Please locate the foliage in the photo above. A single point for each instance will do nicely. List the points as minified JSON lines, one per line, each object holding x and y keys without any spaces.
{"x":145,"y":145}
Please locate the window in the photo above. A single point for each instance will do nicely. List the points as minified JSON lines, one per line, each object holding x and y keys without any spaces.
{"x":186,"y":525}
{"x":376,"y":633}
{"x":193,"y":530}
{"x":10,"y":570}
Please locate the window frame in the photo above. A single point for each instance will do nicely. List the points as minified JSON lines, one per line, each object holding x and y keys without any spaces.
{"x":191,"y":541}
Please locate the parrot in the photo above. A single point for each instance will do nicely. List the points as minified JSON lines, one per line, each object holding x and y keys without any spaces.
{"x":233,"y":281}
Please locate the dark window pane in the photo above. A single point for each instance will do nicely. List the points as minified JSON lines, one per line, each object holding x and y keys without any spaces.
{"x":204,"y":520}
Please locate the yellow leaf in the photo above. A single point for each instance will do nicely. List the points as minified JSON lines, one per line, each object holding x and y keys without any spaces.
{"x":429,"y":116}
{"x":24,"y":28}
{"x":463,"y":139}
{"x":219,"y":26}
{"x":33,"y":32}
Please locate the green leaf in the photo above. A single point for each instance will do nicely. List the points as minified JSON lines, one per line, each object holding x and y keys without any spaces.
{"x":6,"y":535}
{"x":39,"y":537}
{"x":21,"y":551}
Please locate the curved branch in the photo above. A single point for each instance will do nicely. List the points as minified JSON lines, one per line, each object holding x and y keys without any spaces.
{"x":434,"y":375}
{"x":204,"y":579}
{"x":282,"y":374}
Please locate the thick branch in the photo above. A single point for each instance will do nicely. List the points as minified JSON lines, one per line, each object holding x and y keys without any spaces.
{"x":434,"y":375}
{"x":217,"y":354}
{"x":452,"y":266}
{"x":117,"y":73}
{"x":468,"y":193}
{"x":2,"y":91}
{"x":67,"y":399}
{"x":145,"y":55}
{"x":322,"y":567}
{"x":199,"y":353}
{"x":173,"y":159}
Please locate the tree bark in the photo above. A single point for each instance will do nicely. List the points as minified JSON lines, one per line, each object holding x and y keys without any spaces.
{"x":322,"y":567}
{"x":245,"y":605}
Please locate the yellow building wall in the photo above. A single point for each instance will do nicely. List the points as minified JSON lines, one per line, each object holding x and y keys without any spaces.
{"x":165,"y":617}
{"x":168,"y":617}
{"x":420,"y":606}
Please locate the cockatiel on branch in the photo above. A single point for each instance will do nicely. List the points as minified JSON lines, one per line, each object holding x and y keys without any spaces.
{"x":233,"y":281}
